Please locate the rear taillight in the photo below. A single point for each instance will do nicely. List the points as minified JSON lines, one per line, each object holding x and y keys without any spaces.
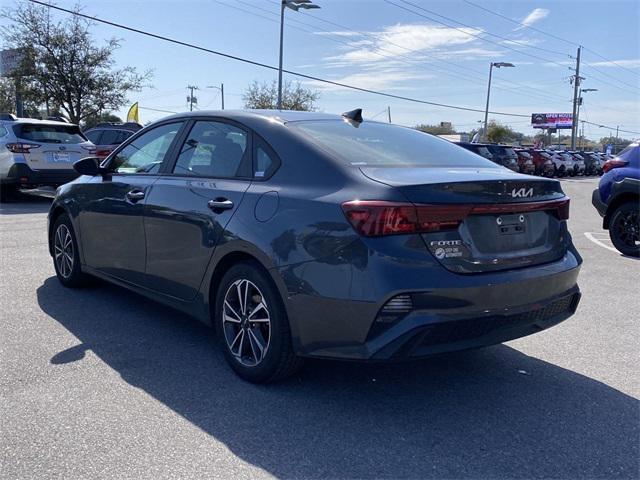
{"x":374,"y":218}
{"x":611,"y":164}
{"x":21,"y":147}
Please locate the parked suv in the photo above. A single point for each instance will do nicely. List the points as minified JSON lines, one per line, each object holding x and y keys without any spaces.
{"x":476,"y":148}
{"x":39,"y":152}
{"x":563,"y":165}
{"x":525,"y":161}
{"x":107,"y":136}
{"x":504,"y":155}
{"x":542,"y":161}
{"x":617,"y":200}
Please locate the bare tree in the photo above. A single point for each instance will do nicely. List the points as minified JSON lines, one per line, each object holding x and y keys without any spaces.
{"x":63,"y":66}
{"x":294,"y":96}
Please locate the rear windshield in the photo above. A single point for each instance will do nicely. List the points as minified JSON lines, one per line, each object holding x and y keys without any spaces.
{"x":49,"y":133}
{"x":510,"y":152}
{"x":384,"y":145}
{"x":484,"y":151}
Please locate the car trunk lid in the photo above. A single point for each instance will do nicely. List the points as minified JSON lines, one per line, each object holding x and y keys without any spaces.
{"x":503,"y":219}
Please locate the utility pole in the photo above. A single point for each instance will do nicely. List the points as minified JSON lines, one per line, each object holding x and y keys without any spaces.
{"x":222,"y":94}
{"x":576,"y":87}
{"x":191,"y":99}
{"x":389,"y":113}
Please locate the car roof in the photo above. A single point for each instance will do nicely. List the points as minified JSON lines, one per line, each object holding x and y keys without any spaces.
{"x":32,"y":121}
{"x":281,"y":116}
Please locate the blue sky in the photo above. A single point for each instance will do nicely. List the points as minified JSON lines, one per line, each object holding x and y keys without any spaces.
{"x":378,"y":45}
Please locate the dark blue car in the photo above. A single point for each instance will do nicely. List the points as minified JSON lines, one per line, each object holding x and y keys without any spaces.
{"x":301,"y":234}
{"x":617,"y":199}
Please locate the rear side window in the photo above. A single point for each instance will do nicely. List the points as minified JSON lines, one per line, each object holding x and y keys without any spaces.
{"x":94,"y":136}
{"x":214,"y":149}
{"x":3,"y":131}
{"x":113,"y":137}
{"x":384,"y":145}
{"x":44,"y":133}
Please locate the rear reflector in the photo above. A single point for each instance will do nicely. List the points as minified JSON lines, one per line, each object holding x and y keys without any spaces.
{"x":375,"y":218}
{"x":615,"y":163}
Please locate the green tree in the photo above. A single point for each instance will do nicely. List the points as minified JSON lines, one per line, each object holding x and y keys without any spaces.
{"x":618,"y":143}
{"x":62,"y":65}
{"x":93,"y":120}
{"x":498,"y":133}
{"x":442,"y":129}
{"x":294,"y":96}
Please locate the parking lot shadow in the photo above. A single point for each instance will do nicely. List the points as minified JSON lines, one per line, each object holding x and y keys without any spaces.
{"x":492,"y":413}
{"x":20,"y":203}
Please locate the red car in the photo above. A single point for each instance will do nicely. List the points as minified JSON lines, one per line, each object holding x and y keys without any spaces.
{"x":542,"y":161}
{"x":525,"y":161}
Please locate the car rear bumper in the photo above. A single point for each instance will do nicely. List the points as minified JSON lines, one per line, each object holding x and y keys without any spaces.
{"x":600,"y":206}
{"x":434,"y":335}
{"x":449,"y":311}
{"x":21,"y":175}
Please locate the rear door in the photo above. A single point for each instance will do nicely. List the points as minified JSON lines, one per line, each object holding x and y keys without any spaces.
{"x":111,"y":217}
{"x":191,"y":204}
{"x":59,"y":145}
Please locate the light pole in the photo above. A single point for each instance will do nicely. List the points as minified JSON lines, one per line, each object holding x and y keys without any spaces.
{"x":293,"y":5}
{"x":486,"y":111}
{"x":221,"y":88}
{"x":581,"y":91}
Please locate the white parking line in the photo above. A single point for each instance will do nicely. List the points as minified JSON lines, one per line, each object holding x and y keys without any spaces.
{"x":591,"y":237}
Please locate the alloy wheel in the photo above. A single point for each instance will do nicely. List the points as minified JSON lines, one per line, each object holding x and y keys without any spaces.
{"x":63,"y":251}
{"x":246,"y":322}
{"x":628,"y":227}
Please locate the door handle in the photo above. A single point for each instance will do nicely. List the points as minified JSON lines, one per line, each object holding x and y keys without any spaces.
{"x":220,"y":204}
{"x":135,"y":195}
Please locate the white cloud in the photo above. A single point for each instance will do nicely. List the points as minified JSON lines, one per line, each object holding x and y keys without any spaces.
{"x":382,"y":80}
{"x":629,"y":63}
{"x":534,"y":16}
{"x":404,"y":40}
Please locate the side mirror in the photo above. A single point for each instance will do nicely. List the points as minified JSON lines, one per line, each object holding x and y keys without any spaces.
{"x":88,"y":166}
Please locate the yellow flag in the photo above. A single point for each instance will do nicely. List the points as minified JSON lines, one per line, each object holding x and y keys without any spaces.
{"x":132,"y":116}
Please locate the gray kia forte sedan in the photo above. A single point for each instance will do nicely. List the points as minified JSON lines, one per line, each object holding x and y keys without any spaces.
{"x":302,"y":234}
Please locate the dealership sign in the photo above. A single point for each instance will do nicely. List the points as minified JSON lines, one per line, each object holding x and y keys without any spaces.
{"x":552,"y":120}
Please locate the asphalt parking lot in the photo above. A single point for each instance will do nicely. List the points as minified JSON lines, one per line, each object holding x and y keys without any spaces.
{"x":101,"y":383}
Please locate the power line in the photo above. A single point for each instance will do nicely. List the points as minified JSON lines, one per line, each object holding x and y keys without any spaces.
{"x":548,"y":34}
{"x":394,"y":55}
{"x":270,"y":67}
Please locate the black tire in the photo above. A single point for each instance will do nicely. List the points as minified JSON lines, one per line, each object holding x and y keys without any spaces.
{"x":278,"y":360}
{"x":8,"y":193}
{"x":624,"y":229}
{"x":66,"y":259}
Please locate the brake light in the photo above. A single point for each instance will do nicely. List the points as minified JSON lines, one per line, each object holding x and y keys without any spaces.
{"x":21,"y":147}
{"x":375,"y":218}
{"x":611,"y":164}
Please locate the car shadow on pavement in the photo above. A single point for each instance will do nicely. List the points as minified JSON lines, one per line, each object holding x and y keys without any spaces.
{"x":487,"y":413}
{"x":20,"y":203}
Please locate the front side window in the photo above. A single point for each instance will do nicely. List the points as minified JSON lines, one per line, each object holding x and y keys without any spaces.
{"x":45,"y":133}
{"x":213,"y":149}
{"x":383,"y":145}
{"x":146,"y":153}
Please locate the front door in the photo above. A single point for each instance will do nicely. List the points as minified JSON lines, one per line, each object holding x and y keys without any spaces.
{"x":111,"y":219}
{"x":189,"y":207}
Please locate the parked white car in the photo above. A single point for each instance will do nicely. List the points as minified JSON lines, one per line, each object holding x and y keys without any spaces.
{"x":39,"y":152}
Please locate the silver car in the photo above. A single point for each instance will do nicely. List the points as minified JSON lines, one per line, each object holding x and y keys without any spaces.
{"x":39,"y":152}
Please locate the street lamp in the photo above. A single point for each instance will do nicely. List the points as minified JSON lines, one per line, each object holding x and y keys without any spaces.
{"x":221,"y":88}
{"x":582,"y":90}
{"x":293,"y":5}
{"x":486,"y":111}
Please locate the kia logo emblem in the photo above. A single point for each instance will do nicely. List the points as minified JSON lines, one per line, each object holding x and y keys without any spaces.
{"x":522,"y":192}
